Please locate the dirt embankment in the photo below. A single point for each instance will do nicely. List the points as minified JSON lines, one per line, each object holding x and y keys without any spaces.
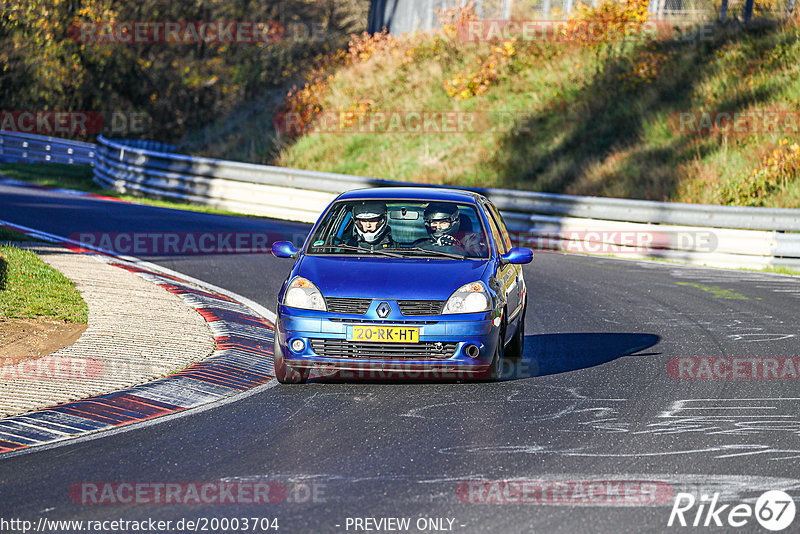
{"x":27,"y":339}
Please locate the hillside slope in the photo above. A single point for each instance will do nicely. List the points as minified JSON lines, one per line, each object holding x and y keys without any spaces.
{"x":629,"y":119}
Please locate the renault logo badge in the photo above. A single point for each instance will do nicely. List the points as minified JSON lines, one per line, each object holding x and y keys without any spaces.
{"x":383,"y":310}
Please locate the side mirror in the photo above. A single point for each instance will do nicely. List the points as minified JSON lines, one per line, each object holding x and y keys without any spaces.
{"x":284,"y":249}
{"x":517,"y":255}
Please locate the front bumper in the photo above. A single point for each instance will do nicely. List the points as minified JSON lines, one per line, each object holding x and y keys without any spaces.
{"x":440,"y":353}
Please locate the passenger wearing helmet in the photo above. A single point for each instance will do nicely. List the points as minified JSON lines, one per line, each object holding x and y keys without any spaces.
{"x":371,"y":229}
{"x":443,"y":223}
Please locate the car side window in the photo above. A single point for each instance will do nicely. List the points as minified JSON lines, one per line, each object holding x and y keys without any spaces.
{"x":498,"y":219}
{"x":498,"y":237}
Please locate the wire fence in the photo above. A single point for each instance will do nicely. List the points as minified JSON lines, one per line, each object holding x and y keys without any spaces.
{"x":403,"y":16}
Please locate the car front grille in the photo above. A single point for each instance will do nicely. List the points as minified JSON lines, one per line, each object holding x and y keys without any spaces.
{"x":341,"y":348}
{"x":421,"y":307}
{"x":378,"y":321}
{"x":347,"y":305}
{"x":409,"y":308}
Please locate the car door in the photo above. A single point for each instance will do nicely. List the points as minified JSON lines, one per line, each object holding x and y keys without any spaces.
{"x":520,"y":287}
{"x":508,"y":274}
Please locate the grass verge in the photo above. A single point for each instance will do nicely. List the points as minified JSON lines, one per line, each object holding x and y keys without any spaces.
{"x":7,"y":234}
{"x":780,"y":270}
{"x":29,"y":288}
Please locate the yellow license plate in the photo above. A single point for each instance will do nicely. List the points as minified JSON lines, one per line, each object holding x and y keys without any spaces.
{"x":383,"y":334}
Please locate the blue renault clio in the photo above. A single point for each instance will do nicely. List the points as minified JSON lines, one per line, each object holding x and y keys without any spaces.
{"x":402,"y":283}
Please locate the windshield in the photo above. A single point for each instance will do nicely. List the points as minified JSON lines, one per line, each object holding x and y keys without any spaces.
{"x":401,"y":229}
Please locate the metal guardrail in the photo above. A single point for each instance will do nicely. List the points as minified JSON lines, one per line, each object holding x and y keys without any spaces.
{"x":22,"y":147}
{"x":703,"y":234}
{"x":648,"y":211}
{"x":189,"y":175}
{"x":147,"y":144}
{"x":723,"y":235}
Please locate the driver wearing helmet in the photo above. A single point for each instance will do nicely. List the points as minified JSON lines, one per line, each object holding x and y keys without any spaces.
{"x":442,"y":221}
{"x":371,"y":229}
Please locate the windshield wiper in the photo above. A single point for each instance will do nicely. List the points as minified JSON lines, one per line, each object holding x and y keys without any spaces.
{"x":359,"y":249}
{"x":437,"y":252}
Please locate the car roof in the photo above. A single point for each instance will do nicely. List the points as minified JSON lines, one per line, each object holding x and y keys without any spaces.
{"x":410,"y":193}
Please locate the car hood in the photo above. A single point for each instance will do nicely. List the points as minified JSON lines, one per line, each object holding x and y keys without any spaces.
{"x":387,"y":278}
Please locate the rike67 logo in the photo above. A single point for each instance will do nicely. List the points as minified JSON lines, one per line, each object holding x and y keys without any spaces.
{"x":774,"y":510}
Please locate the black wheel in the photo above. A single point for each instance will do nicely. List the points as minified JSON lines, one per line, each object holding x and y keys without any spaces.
{"x":286,"y":374}
{"x":517,"y":347}
{"x":493,"y":373}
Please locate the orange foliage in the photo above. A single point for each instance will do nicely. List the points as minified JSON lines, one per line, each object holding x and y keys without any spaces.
{"x":463,"y":86}
{"x":610,"y":21}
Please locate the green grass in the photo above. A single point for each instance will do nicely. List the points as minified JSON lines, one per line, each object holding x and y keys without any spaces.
{"x":716,"y":291}
{"x":7,"y":234}
{"x":30,"y":288}
{"x":780,"y":270}
{"x":79,"y":178}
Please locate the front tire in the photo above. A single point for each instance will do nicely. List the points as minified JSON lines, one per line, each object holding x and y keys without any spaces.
{"x":517,"y":347}
{"x":493,"y":373}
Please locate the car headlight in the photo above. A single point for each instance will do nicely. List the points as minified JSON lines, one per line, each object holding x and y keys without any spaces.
{"x":302,"y":293}
{"x":469,"y":298}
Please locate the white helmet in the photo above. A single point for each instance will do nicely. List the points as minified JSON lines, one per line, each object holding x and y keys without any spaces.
{"x":370,"y":210}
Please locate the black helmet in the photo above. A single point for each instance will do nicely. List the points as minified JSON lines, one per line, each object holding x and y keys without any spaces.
{"x":438,"y":211}
{"x":370,"y":210}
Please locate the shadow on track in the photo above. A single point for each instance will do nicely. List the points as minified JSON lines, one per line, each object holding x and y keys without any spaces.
{"x":549,"y":354}
{"x":545,"y":354}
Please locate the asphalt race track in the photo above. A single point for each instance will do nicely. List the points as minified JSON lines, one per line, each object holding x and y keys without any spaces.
{"x":596,"y":405}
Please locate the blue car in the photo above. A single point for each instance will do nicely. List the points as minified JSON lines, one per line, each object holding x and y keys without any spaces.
{"x":402,"y":283}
